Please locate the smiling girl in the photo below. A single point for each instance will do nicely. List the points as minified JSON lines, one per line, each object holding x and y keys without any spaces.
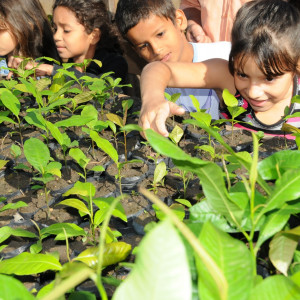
{"x":263,"y":71}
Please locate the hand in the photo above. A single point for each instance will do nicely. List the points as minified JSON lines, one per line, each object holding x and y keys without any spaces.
{"x":41,"y":70}
{"x":195,"y":33}
{"x":154,"y":116}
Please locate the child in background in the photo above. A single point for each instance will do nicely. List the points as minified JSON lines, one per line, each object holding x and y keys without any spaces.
{"x":25,"y":31}
{"x":155,"y":30}
{"x":82,"y":30}
{"x":263,"y":63}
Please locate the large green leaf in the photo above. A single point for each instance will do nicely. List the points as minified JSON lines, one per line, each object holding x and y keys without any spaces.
{"x":232,"y":257}
{"x":85,"y":189}
{"x":36,"y":119}
{"x":210,"y":174}
{"x":55,"y":132}
{"x":62,"y":230}
{"x":273,"y":224}
{"x":104,"y":204}
{"x":287,"y":188}
{"x":282,"y":248}
{"x":37,"y":154}
{"x":113,"y":253}
{"x":29,"y":264}
{"x":75,"y":203}
{"x":13,"y":289}
{"x":161,"y":270}
{"x":7,"y":231}
{"x":105,"y":146}
{"x":276,"y":287}
{"x":11,"y":102}
{"x":275,"y":165}
{"x":74,"y":121}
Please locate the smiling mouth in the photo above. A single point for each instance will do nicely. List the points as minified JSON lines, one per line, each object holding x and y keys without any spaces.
{"x":166,"y":57}
{"x":257,"y":103}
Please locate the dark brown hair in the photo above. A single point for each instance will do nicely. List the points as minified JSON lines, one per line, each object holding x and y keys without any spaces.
{"x":94,"y":14}
{"x":269,"y":32}
{"x":28,"y":23}
{"x":130,"y":12}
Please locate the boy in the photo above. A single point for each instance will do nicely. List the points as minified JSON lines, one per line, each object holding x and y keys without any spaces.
{"x":155,"y":29}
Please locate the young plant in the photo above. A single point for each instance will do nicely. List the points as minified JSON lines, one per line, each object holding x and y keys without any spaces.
{"x":126,"y":104}
{"x":83,"y":161}
{"x":87,"y":191}
{"x":38,"y":156}
{"x":107,"y":147}
{"x":172,"y":98}
{"x":159,"y":176}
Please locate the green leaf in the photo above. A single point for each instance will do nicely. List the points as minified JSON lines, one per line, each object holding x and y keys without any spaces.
{"x":55,"y":132}
{"x":232,"y":257}
{"x":62,"y":230}
{"x":75,"y":203}
{"x":176,"y":134}
{"x":75,"y":120}
{"x":160,"y":172}
{"x":229,"y":99}
{"x":113,"y":253}
{"x":36,"y":119}
{"x":98,"y":169}
{"x":275,"y":165}
{"x":277,"y":287}
{"x":16,"y":205}
{"x":7,"y":231}
{"x":282,"y":248}
{"x":115,"y":119}
{"x":104,"y":203}
{"x":11,"y":102}
{"x":161,"y":268}
{"x":84,"y":97}
{"x":13,"y":289}
{"x":3,"y":163}
{"x":29,"y":264}
{"x":79,"y":156}
{"x":37,"y":154}
{"x":105,"y":146}
{"x":85,"y":189}
{"x":286,"y":189}
{"x":273,"y":224}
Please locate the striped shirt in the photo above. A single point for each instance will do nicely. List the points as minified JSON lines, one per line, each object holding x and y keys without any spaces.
{"x":253,"y":124}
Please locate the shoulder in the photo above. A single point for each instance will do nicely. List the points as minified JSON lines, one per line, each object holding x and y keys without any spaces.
{"x":204,"y":51}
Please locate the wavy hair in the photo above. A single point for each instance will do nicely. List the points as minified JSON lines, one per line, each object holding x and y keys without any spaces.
{"x":94,"y":14}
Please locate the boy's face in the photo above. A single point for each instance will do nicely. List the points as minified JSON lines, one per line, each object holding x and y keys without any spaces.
{"x":159,"y":39}
{"x":71,"y":39}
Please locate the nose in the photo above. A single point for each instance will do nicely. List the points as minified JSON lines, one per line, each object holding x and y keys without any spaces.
{"x":56,"y":35}
{"x":156,"y":48}
{"x":255,"y":91}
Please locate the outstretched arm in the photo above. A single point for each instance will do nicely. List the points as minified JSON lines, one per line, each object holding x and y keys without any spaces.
{"x":157,"y":76}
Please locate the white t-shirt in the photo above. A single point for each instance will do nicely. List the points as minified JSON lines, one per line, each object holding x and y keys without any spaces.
{"x":207,"y":98}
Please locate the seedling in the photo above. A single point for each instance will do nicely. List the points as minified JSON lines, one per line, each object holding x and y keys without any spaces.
{"x":107,"y":147}
{"x":172,"y":98}
{"x":38,"y":156}
{"x":83,"y":161}
{"x":126,"y":104}
{"x":159,"y":176}
{"x":87,"y":191}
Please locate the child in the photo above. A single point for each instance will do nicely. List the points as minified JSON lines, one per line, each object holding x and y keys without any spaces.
{"x":263,"y":63}
{"x":155,"y":29}
{"x":82,"y":30}
{"x":25,"y":31}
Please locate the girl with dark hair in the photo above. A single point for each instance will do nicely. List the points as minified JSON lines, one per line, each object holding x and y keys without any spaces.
{"x":25,"y":30}
{"x":263,"y":71}
{"x":83,"y":30}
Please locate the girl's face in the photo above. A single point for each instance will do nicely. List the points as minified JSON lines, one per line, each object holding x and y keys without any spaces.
{"x":71,"y":39}
{"x":263,"y":94}
{"x":8,"y":42}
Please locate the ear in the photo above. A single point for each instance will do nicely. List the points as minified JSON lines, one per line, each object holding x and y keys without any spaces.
{"x":180,"y":19}
{"x":95,"y":36}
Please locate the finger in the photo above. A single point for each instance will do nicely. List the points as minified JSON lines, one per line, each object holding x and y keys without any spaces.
{"x":176,"y":109}
{"x":9,"y":75}
{"x":160,"y":124}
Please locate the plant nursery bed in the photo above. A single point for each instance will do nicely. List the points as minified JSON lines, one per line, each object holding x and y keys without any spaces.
{"x":73,"y":181}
